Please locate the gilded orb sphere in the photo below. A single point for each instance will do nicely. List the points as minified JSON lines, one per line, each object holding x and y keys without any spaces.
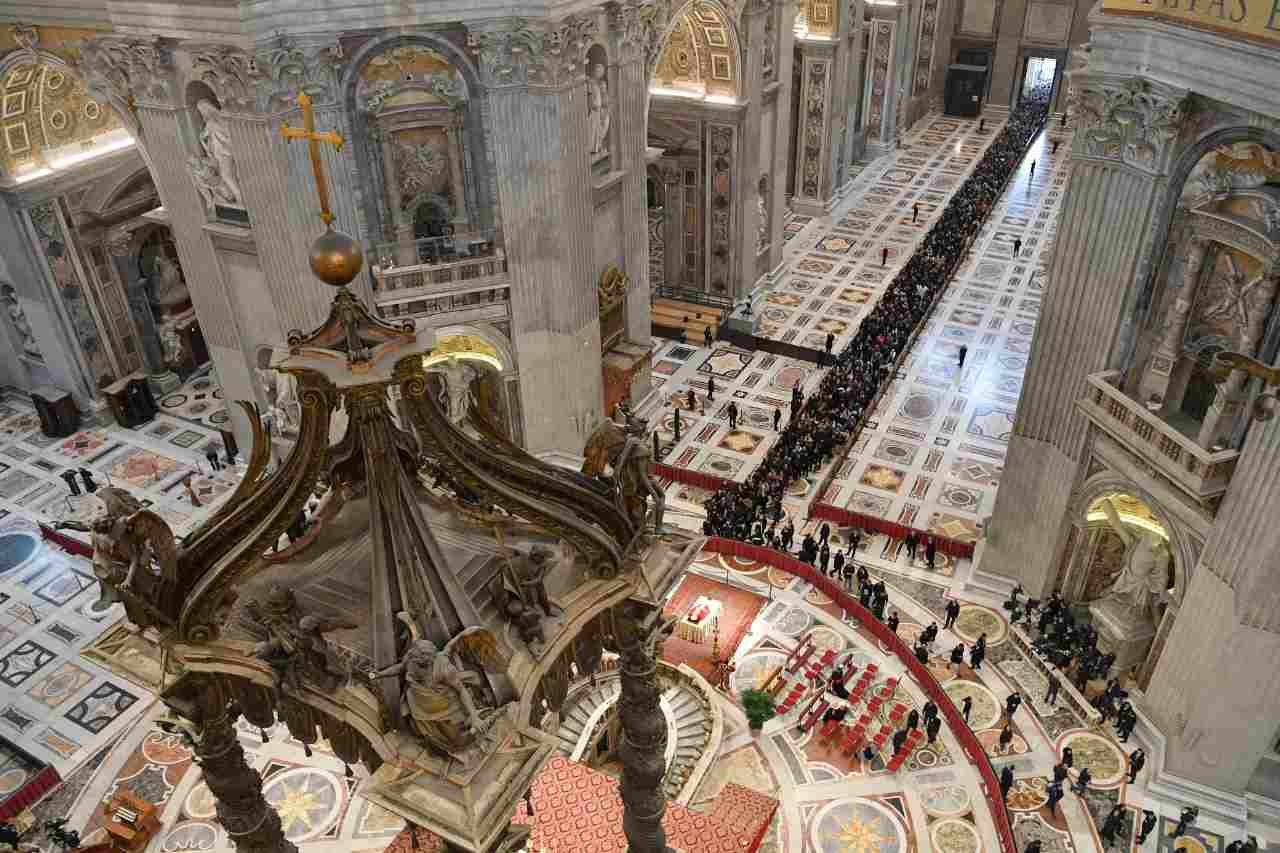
{"x":336,"y":258}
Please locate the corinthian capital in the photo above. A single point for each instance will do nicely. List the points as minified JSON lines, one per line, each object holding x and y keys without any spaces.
{"x":267,"y":80}
{"x":1131,"y":120}
{"x":638,"y":27}
{"x":126,"y":69}
{"x":523,"y":53}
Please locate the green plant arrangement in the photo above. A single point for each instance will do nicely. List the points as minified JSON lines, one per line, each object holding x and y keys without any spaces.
{"x":759,"y":708}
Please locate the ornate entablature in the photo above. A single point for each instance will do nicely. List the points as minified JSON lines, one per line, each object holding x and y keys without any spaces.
{"x":1130,"y":120}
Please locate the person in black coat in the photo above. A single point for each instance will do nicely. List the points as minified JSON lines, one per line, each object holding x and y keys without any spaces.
{"x":1112,"y":825}
{"x":1006,"y":781}
{"x":1136,"y":762}
{"x":957,"y":656}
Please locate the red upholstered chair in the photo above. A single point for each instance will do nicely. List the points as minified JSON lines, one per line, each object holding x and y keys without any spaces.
{"x":872,"y":669}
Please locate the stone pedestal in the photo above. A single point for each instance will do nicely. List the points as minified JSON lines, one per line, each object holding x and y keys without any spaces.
{"x":1121,"y":633}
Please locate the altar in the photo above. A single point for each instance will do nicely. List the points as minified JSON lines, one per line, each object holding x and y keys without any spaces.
{"x":700,"y":620}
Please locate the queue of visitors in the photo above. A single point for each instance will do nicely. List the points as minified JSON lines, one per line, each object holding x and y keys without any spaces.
{"x":826,"y":421}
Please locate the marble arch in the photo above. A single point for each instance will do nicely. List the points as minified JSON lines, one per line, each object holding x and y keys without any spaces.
{"x":485,"y":332}
{"x":1180,"y":547}
{"x":59,"y":113}
{"x":479,"y":187}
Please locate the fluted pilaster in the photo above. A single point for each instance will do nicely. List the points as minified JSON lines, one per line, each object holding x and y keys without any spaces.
{"x":540,"y":143}
{"x":279,"y":189}
{"x":633,"y":137}
{"x":1105,"y":215}
{"x":1217,"y":679}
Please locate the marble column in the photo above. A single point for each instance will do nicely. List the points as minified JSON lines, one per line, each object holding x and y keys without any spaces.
{"x":537,"y":114}
{"x":1220,"y":420}
{"x":819,"y":76}
{"x":251,"y":823}
{"x":750,"y":167}
{"x":881,"y":110}
{"x":161,"y":379}
{"x":1104,"y":218}
{"x":1216,"y":680}
{"x":405,"y":254}
{"x":673,"y":225}
{"x":644,"y":730}
{"x":461,"y":216}
{"x":1160,"y":367}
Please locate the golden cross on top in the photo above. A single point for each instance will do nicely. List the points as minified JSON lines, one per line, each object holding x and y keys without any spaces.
{"x":308,"y":132}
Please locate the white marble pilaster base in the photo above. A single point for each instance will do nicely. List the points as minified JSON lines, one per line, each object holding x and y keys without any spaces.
{"x":1120,"y":633}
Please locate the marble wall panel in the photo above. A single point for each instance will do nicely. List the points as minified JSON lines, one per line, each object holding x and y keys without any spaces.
{"x":1048,"y":21}
{"x":978,"y":17}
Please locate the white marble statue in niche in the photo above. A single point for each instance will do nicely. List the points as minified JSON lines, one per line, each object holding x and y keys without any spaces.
{"x":1145,"y":574}
{"x":20,"y":323}
{"x":215,"y":175}
{"x":283,"y":406}
{"x":598,"y":117}
{"x":456,"y":396}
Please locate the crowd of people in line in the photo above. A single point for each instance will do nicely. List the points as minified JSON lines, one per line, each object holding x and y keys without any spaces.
{"x":823,"y":423}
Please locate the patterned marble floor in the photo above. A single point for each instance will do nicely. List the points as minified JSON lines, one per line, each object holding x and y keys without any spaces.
{"x":837,"y":267}
{"x":933,"y":451}
{"x":57,"y":701}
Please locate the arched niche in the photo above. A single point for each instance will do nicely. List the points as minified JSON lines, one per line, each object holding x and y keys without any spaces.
{"x":51,"y":118}
{"x":1139,"y":510}
{"x":701,"y":55}
{"x":1095,"y":555}
{"x":419,"y":142}
{"x":490,"y":371}
{"x":1215,"y":289}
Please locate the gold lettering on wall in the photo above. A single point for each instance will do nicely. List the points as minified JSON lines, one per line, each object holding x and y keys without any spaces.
{"x":1255,"y":20}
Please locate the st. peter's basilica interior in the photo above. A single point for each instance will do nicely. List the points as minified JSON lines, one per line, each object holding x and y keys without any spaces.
{"x":800,"y":426}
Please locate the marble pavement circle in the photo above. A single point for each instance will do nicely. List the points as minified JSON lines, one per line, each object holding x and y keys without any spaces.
{"x":190,"y":835}
{"x":754,"y":668}
{"x":824,"y":638}
{"x":986,"y":709}
{"x":857,"y":825}
{"x":740,"y":564}
{"x":975,"y":620}
{"x":1107,"y":763}
{"x":954,"y":835}
{"x":1028,"y":794}
{"x":946,"y":801}
{"x":307,"y":799}
{"x":16,"y":548}
{"x":793,"y":622}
